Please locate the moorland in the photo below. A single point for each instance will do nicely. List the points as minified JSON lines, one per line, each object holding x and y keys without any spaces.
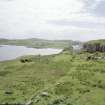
{"x":67,"y":78}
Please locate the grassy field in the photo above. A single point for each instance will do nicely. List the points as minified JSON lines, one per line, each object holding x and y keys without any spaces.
{"x":63,"y":79}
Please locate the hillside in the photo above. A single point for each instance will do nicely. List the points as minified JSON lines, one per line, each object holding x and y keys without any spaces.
{"x":39,"y":43}
{"x":62,"y":79}
{"x":95,"y":45}
{"x":101,"y":41}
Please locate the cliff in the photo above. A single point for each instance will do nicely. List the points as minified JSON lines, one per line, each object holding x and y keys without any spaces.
{"x":94,"y":46}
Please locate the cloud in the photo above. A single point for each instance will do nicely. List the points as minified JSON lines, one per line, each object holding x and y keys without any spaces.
{"x":5,"y":0}
{"x":80,"y":24}
{"x":100,"y":8}
{"x":95,"y":7}
{"x":52,"y":19}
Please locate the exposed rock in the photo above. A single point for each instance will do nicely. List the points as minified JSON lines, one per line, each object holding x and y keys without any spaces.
{"x":94,"y":47}
{"x":29,"y":103}
{"x":45,"y":94}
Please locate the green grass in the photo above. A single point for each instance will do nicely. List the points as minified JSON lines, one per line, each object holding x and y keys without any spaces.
{"x":67,"y":79}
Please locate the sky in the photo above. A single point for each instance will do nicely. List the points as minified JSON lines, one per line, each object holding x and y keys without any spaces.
{"x":52,"y":19}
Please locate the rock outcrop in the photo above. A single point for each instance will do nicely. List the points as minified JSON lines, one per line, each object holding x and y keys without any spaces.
{"x":94,"y":46}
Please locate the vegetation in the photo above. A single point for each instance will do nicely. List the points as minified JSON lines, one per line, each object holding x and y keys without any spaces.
{"x":62,"y":79}
{"x":39,"y":43}
{"x":101,"y":41}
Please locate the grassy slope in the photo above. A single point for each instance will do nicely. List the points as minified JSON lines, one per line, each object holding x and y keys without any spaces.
{"x":101,"y":41}
{"x":39,"y":43}
{"x":68,"y":80}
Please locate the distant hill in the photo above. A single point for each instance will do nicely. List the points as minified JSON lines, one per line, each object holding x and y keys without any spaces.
{"x":95,"y":45}
{"x":39,"y":43}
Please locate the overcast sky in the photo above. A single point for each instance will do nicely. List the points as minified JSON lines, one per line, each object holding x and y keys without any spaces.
{"x":52,"y":19}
